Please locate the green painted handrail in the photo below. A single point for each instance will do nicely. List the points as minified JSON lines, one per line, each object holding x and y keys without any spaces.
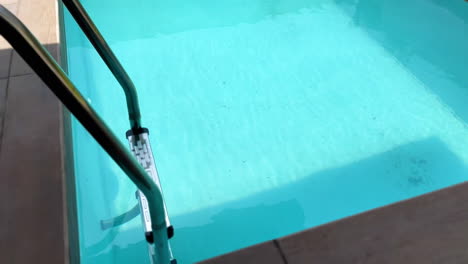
{"x":29,"y":48}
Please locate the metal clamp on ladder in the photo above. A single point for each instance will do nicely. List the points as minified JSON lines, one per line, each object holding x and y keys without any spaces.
{"x":141,"y":148}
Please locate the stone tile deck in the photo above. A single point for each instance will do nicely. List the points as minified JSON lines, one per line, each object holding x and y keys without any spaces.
{"x":32,"y":207}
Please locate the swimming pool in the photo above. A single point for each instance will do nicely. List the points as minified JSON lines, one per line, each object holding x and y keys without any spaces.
{"x":271,"y":116}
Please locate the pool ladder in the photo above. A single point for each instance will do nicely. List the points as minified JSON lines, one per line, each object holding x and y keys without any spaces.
{"x":138,"y":164}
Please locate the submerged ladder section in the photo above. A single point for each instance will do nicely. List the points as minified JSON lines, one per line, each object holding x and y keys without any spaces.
{"x":137,"y":135}
{"x":139,"y":164}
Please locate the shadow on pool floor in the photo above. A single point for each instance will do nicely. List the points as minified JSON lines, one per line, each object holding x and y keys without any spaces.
{"x":401,"y":173}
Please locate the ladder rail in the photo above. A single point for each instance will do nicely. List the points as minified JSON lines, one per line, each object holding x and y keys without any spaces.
{"x":87,"y":25}
{"x":35,"y":55}
{"x":93,"y":34}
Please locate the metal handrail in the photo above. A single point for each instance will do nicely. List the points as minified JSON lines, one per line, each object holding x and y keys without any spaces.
{"x":95,"y":37}
{"x":29,"y":48}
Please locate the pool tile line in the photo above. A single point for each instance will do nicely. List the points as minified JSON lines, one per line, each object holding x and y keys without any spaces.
{"x":280,"y":250}
{"x":3,"y":112}
{"x":22,"y":74}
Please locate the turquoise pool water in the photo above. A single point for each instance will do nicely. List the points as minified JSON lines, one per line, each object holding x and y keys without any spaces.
{"x":271,"y":116}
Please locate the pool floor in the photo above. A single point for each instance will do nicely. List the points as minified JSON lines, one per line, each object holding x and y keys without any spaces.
{"x":269,"y":117}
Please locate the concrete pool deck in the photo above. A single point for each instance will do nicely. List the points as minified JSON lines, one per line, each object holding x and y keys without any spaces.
{"x":32,"y":208}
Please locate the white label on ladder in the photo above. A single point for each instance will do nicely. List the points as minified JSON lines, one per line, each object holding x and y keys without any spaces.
{"x":141,"y":150}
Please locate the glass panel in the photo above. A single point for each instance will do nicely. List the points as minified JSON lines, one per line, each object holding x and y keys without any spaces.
{"x":103,"y":190}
